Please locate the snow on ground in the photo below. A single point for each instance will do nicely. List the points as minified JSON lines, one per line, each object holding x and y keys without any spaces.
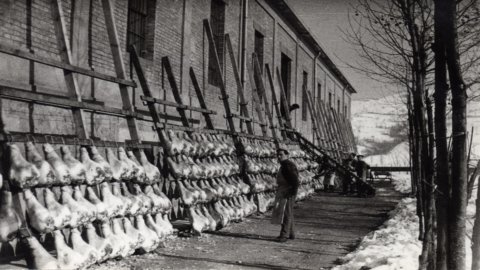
{"x":394,"y":245}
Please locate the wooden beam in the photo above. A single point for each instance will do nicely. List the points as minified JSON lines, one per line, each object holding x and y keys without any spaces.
{"x":340,"y":131}
{"x":24,"y":93}
{"x":240,"y":86}
{"x":312,"y":114}
{"x":175,"y":91}
{"x":283,"y":98}
{"x":276,"y":104}
{"x":262,"y":93}
{"x":66,"y":56}
{"x":80,"y":18}
{"x":148,"y":93}
{"x":256,"y":101}
{"x":6,"y":49}
{"x":331,"y":138}
{"x":201,"y":100}
{"x":218,"y":68}
{"x":119,"y":66}
{"x":178,"y":106}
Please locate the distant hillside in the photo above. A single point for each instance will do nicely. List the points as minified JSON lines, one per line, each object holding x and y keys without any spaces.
{"x":380,"y":125}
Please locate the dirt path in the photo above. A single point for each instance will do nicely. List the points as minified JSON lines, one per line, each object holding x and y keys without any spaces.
{"x":328,"y":227}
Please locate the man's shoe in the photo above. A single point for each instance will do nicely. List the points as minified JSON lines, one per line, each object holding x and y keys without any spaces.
{"x":292,"y":237}
{"x":281,"y":239}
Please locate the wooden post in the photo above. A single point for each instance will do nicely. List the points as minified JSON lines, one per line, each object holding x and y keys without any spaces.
{"x":321,"y":128}
{"x":147,"y":92}
{"x":119,"y":67}
{"x":335,"y":133}
{"x":240,"y":86}
{"x":66,"y":55}
{"x":340,"y":132}
{"x":175,"y":91}
{"x":216,"y":62}
{"x":276,"y":104}
{"x":328,"y":128}
{"x":256,"y":102}
{"x":201,"y":99}
{"x":310,"y":109}
{"x":261,"y":93}
{"x":325,"y":129}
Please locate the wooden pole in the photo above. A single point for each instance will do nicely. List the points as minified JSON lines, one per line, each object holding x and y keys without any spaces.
{"x":120,"y":67}
{"x":70,"y":79}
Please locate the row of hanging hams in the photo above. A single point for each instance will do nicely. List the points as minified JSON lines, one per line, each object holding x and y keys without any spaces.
{"x":304,"y":191}
{"x":306,"y":176}
{"x":75,"y":207}
{"x":255,"y":165}
{"x":197,"y":144}
{"x":184,"y":167}
{"x":203,"y":191}
{"x":119,"y":237}
{"x":210,"y":217}
{"x":305,"y":164}
{"x":265,"y":201}
{"x":90,"y":168}
{"x":317,"y":184}
{"x":258,"y":148}
{"x":262,"y":182}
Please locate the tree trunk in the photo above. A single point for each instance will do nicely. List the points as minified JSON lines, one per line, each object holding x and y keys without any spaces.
{"x":431,"y":226}
{"x":458,"y":203}
{"x":471,"y":181}
{"x":476,"y":231}
{"x":411,"y":138}
{"x":442,"y":166}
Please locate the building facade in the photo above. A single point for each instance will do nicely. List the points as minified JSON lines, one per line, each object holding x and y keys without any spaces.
{"x":165,"y":28}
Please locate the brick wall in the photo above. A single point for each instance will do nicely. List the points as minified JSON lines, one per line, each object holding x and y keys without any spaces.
{"x":168,"y":41}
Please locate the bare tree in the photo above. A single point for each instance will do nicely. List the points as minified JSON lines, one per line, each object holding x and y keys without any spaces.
{"x":395,"y":38}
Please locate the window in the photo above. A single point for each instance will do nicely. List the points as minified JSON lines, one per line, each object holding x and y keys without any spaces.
{"x":285,"y":70}
{"x":259,"y":38}
{"x":345,"y":111}
{"x":330,"y":100}
{"x":141,"y":26}
{"x":304,"y":96}
{"x":338,"y":106}
{"x":217,"y":22}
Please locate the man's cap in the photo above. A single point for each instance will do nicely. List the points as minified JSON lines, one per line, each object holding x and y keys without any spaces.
{"x":359,"y":155}
{"x":282,"y":149}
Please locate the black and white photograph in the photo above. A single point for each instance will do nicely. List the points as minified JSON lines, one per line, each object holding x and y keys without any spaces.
{"x":240,"y":134}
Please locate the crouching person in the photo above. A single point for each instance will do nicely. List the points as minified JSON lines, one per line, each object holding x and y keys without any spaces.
{"x":328,"y":169}
{"x":347,"y":180}
{"x":288,"y":182}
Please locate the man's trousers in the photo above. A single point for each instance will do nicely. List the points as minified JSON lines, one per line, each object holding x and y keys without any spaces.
{"x":287,"y":224}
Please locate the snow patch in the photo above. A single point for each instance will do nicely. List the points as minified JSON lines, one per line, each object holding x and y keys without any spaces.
{"x":393,"y":246}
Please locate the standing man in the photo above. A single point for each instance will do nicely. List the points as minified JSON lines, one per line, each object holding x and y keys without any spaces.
{"x":288,"y":183}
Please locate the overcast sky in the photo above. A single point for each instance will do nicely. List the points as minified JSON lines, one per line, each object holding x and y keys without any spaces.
{"x":325,"y":18}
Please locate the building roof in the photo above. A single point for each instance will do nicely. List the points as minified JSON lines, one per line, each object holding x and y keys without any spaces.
{"x":282,"y":7}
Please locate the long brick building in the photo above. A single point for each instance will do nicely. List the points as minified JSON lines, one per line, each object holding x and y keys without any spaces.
{"x":159,"y":28}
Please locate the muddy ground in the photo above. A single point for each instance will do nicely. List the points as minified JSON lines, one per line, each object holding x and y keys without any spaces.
{"x":328,"y":227}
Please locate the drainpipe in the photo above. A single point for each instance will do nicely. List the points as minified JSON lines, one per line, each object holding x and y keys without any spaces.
{"x":243,"y":45}
{"x":314,"y":87}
